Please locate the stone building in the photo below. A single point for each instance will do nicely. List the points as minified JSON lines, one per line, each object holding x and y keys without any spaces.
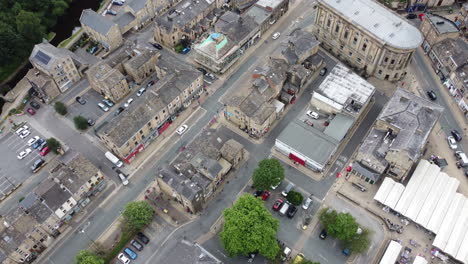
{"x":367,"y":36}
{"x":233,"y":152}
{"x":458,"y":86}
{"x":187,"y":20}
{"x":398,"y":137}
{"x":448,"y":55}
{"x":142,"y":65}
{"x":44,"y":86}
{"x":59,"y":64}
{"x":267,"y":12}
{"x":435,"y":28}
{"x":108,"y":81}
{"x":427,"y":4}
{"x":102,"y":30}
{"x":463,"y":19}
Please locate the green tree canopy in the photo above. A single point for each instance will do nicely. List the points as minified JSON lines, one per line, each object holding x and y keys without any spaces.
{"x":87,"y":257}
{"x":340,"y":225}
{"x":80,"y":122}
{"x":138,"y":214}
{"x":295,"y":198}
{"x":60,"y":108}
{"x":360,"y":243}
{"x":269,"y":173}
{"x":29,"y":26}
{"x":53,"y":145}
{"x":249,"y":227}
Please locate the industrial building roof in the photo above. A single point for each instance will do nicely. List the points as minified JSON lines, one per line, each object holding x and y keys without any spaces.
{"x":379,"y":21}
{"x":392,"y":253}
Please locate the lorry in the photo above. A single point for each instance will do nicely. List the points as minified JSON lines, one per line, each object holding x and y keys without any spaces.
{"x":112,"y":158}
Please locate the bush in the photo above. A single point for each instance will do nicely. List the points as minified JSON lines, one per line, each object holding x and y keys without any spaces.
{"x":60,"y":108}
{"x":53,"y":145}
{"x":295,"y":198}
{"x":178,"y":48}
{"x":80,"y":122}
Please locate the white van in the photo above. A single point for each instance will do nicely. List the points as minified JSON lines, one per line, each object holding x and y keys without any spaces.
{"x":284,"y":209}
{"x":113,"y":159}
{"x":462,"y":159}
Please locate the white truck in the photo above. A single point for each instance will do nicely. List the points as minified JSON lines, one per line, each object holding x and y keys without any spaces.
{"x":114,"y":159}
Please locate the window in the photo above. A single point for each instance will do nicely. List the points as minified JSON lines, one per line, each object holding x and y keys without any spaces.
{"x":359,"y":60}
{"x":346,"y":34}
{"x":164,"y":111}
{"x":354,"y":40}
{"x":337,"y":28}
{"x":156,"y":118}
{"x":141,"y":131}
{"x":364,"y":47}
{"x":392,"y":61}
{"x":341,"y":47}
{"x":328,"y":22}
{"x":170,"y":105}
{"x":396,"y":75}
{"x":386,"y":59}
{"x":64,"y":211}
{"x":350,"y":54}
{"x":380,"y":71}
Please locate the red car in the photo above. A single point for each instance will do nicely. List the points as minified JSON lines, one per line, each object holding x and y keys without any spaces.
{"x":265,"y":195}
{"x":277,"y":205}
{"x":44,"y":151}
{"x":31,"y":111}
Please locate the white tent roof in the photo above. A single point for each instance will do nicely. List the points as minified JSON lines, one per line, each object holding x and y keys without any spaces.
{"x":422,"y":191}
{"x":391,"y":254}
{"x":407,"y":196}
{"x":459,"y":231}
{"x":394,"y":195}
{"x":462,"y":254}
{"x":450,"y":218}
{"x":443,"y":205}
{"x":419,"y":260}
{"x":384,"y":190}
{"x":431,"y":200}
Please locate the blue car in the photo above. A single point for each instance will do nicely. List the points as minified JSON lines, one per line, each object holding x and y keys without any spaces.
{"x":130,"y":253}
{"x":37,"y":143}
{"x":185,"y":50}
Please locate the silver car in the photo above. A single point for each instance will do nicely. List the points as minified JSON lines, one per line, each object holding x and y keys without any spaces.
{"x":307,"y":203}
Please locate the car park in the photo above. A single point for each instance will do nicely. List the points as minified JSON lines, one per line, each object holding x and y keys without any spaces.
{"x":24,"y":153}
{"x":292,"y":211}
{"x":456,"y":135}
{"x":432,"y":95}
{"x":182,"y":129}
{"x":108,"y":102}
{"x":284,"y":208}
{"x":130,"y":253}
{"x":141,"y":91}
{"x":44,"y":151}
{"x":276,"y":35}
{"x":122,"y":258}
{"x":33,"y":140}
{"x":265,"y":195}
{"x":129,"y":101}
{"x":158,"y":46}
{"x":137,"y":245}
{"x":103,"y":107}
{"x":80,"y":100}
{"x":25,"y":133}
{"x":143,"y":238}
{"x":288,"y":188}
{"x":323,"y":234}
{"x":35,"y":105}
{"x":359,"y":186}
{"x":452,"y":142}
{"x":312,"y":114}
{"x":323,"y":71}
{"x":277,"y":205}
{"x":307,"y":203}
{"x":31,"y":111}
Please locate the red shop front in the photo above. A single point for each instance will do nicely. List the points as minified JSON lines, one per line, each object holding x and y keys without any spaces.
{"x":297,"y":159}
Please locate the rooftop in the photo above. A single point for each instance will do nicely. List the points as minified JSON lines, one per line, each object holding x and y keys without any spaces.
{"x":182,"y":14}
{"x":136,"y":5}
{"x":238,"y":29}
{"x":452,"y":49}
{"x":379,"y":21}
{"x":253,"y":105}
{"x":32,"y":204}
{"x":260,"y":15}
{"x":442,"y":24}
{"x":123,"y":19}
{"x":180,"y":183}
{"x":96,"y":22}
{"x":462,"y":74}
{"x":46,"y":54}
{"x":268,"y":3}
{"x":52,"y":194}
{"x":296,"y":46}
{"x":185,"y":252}
{"x":142,"y":58}
{"x":217,"y":45}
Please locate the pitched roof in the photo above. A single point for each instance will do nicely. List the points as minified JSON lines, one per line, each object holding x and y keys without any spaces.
{"x":95,"y":21}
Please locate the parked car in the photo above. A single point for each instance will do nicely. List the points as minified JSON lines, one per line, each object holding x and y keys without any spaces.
{"x":323,"y":71}
{"x":276,"y":35}
{"x":158,"y":46}
{"x":34,"y":104}
{"x":182,"y":129}
{"x":91,"y":122}
{"x":292,"y":211}
{"x":137,"y":245}
{"x":258,"y":193}
{"x":211,"y":76}
{"x":123,"y":258}
{"x":38,"y":143}
{"x":277,"y":205}
{"x":130,"y":253}
{"x":202,"y":70}
{"x":432,"y":95}
{"x":116,"y":2}
{"x":124,"y":179}
{"x":273,"y":187}
{"x":323,"y":234}
{"x":186,"y":50}
{"x":141,"y":91}
{"x":37,"y":164}
{"x":111,"y":12}
{"x":456,"y":135}
{"x":288,"y":188}
{"x":108,"y":102}
{"x":33,"y":140}
{"x":25,"y":133}
{"x":103,"y":107}
{"x":31,"y":111}
{"x":42,"y":145}
{"x":265,"y":195}
{"x":80,"y":100}
{"x":307,"y":203}
{"x":149,"y":84}
{"x":313,"y":114}
{"x":452,"y":142}
{"x":143,"y":238}
{"x":411,"y":16}
{"x":24,"y":153}
{"x":119,"y":110}
{"x":21,"y":130}
{"x":129,"y":101}
{"x":44,"y":151}
{"x":284,"y":208}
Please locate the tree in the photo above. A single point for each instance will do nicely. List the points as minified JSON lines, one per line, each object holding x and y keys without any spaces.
{"x":249,"y":227}
{"x":53,"y":145}
{"x":340,"y":225}
{"x":138,"y":214}
{"x":29,"y":26}
{"x":80,"y":122}
{"x":295,"y":198}
{"x":87,"y":257}
{"x":60,"y":108}
{"x":360,"y":243}
{"x":269,"y":173}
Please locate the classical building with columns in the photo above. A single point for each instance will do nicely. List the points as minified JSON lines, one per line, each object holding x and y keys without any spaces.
{"x":367,"y":36}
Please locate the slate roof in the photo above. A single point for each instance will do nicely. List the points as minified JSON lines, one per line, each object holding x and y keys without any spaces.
{"x":137,"y":5}
{"x":123,"y":19}
{"x":238,"y":30}
{"x":452,"y":49}
{"x":142,"y":58}
{"x":180,"y":183}
{"x":53,"y":195}
{"x":442,"y":24}
{"x":75,"y":172}
{"x":35,"y":208}
{"x":95,"y":21}
{"x":297,"y":45}
{"x":253,"y":105}
{"x":259,"y":14}
{"x":45,"y":54}
{"x":182,"y":14}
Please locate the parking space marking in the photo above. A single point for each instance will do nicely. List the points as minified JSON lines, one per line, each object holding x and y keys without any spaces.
{"x":14,"y":142}
{"x":12,"y":136}
{"x":23,"y":147}
{"x":32,"y":160}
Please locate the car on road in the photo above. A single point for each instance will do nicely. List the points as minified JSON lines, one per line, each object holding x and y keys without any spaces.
{"x":21,"y":130}
{"x":276,"y":35}
{"x":292,"y":211}
{"x":265,"y":195}
{"x":91,"y":122}
{"x":323,"y":234}
{"x":137,"y":245}
{"x":129,"y":101}
{"x":323,"y":71}
{"x":119,"y":110}
{"x":307,"y":203}
{"x":44,"y":151}
{"x":182,"y":129}
{"x":158,"y":46}
{"x":143,"y":238}
{"x":34,"y":104}
{"x":108,"y":102}
{"x":80,"y":100}
{"x":31,"y":111}
{"x":452,"y":142}
{"x":202,"y":70}
{"x":24,"y":153}
{"x":411,"y":16}
{"x":103,"y":107}
{"x":432,"y":95}
{"x":25,"y":133}
{"x":33,"y":140}
{"x":123,"y":258}
{"x":38,"y":143}
{"x":313,"y":114}
{"x":277,"y":205}
{"x":130,"y":253}
{"x":124,"y":179}
{"x":456,"y":135}
{"x":149,"y":84}
{"x":141,"y":91}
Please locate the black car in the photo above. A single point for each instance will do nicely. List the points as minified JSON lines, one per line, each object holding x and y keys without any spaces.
{"x":411,"y":16}
{"x":80,"y":100}
{"x":202,"y":70}
{"x":91,"y":122}
{"x":323,"y":234}
{"x":119,"y":110}
{"x":291,"y":211}
{"x":143,"y":238}
{"x":456,"y":135}
{"x":258,"y":193}
{"x":136,"y":245}
{"x":37,"y":164}
{"x":149,"y":84}
{"x":35,"y":105}
{"x":158,"y":46}
{"x":432,"y":95}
